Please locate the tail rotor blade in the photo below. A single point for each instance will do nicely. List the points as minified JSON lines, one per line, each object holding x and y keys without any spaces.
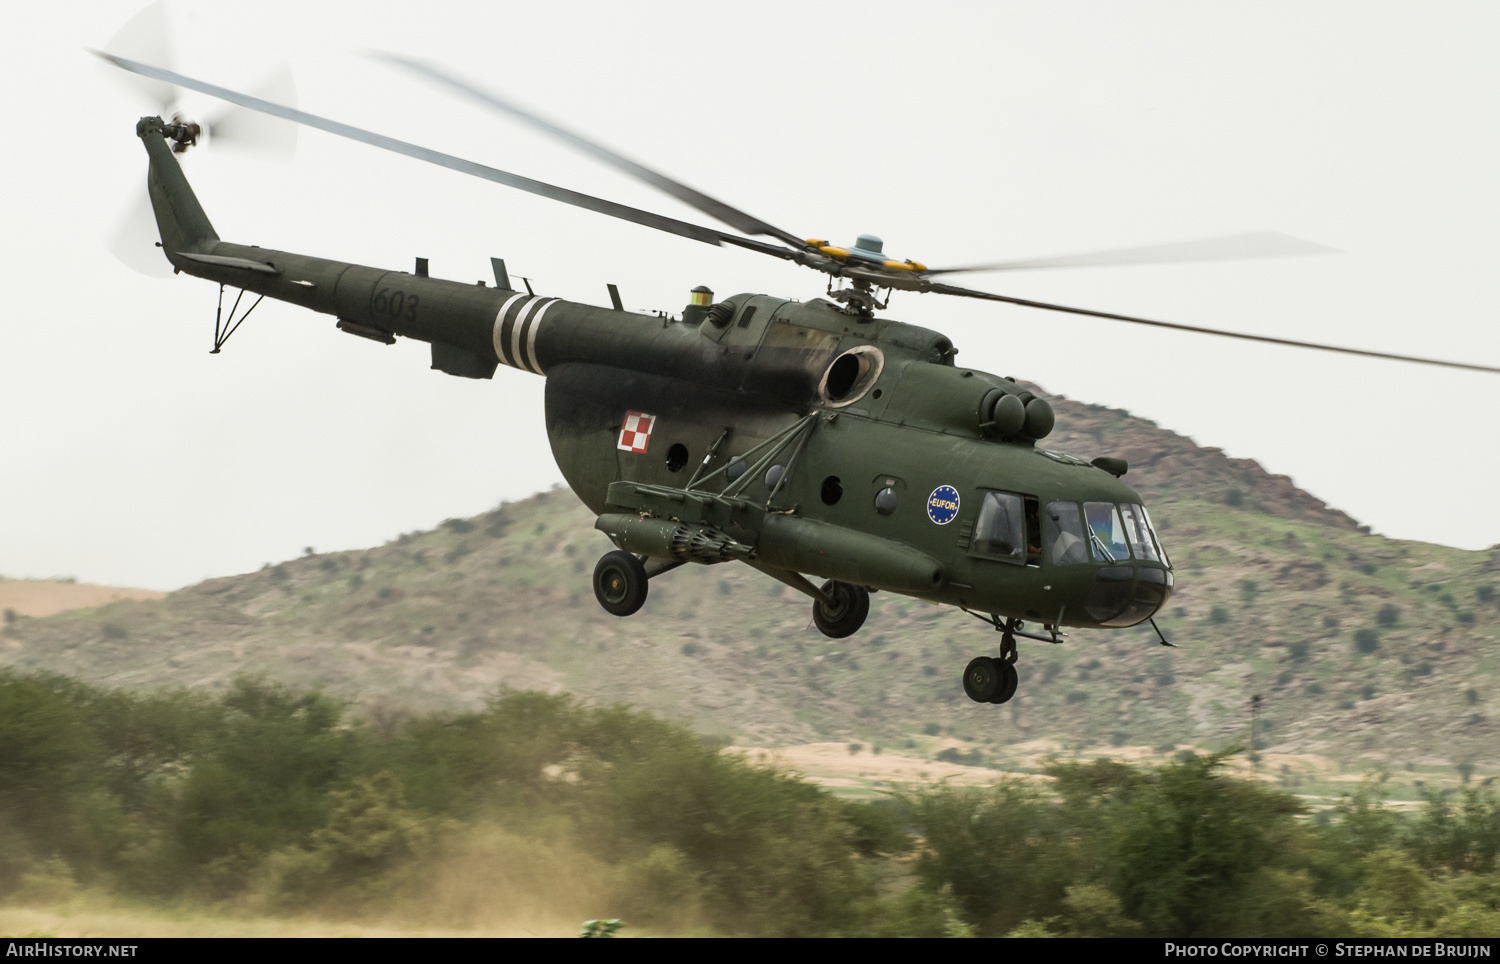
{"x":147,"y":37}
{"x":133,"y":239}
{"x":246,"y":129}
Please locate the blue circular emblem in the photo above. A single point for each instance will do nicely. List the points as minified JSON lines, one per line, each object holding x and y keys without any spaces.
{"x":942,"y":505}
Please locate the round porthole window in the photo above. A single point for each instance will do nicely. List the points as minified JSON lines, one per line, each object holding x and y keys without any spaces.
{"x":833,"y":490}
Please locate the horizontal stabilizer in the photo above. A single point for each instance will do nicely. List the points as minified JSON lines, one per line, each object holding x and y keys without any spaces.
{"x":223,"y":262}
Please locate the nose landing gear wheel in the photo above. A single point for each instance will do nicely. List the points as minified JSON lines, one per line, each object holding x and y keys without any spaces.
{"x":983,"y":678}
{"x":990,"y":680}
{"x":620,"y":583}
{"x":1008,"y":684}
{"x":847,"y":612}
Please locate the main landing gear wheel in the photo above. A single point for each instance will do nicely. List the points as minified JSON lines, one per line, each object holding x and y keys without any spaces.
{"x":620,"y":583}
{"x":847,"y":612}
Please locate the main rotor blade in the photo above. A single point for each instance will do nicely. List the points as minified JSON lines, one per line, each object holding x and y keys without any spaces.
{"x":1234,"y":247}
{"x":540,"y":188}
{"x":944,"y":289}
{"x":713,"y":207}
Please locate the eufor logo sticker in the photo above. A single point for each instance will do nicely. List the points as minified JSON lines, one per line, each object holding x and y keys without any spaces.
{"x":942,"y":505}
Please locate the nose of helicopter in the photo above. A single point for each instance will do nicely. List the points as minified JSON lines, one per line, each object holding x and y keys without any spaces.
{"x":1126,"y":595}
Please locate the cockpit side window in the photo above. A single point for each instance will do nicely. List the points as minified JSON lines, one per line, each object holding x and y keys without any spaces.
{"x":1166,"y":559}
{"x":1062,"y":533}
{"x":1139,"y":534}
{"x":1000,"y":532}
{"x":1106,"y":532}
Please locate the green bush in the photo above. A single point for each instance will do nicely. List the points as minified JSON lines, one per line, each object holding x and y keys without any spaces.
{"x":1366,"y":640}
{"x":274,"y":799}
{"x":972,"y":758}
{"x":1179,"y":850}
{"x":261,"y":781}
{"x":355,"y":857}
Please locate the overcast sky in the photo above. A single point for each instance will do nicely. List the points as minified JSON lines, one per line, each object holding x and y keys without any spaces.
{"x":958,"y":133}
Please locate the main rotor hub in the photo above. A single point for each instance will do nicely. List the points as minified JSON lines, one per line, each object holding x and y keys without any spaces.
{"x":182,"y":133}
{"x":858,"y":299}
{"x":867,"y":247}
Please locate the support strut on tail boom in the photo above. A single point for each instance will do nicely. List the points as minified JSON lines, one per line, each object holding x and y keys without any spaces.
{"x":224,"y":327}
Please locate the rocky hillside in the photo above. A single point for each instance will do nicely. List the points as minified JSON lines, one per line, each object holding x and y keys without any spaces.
{"x":1369,"y":650}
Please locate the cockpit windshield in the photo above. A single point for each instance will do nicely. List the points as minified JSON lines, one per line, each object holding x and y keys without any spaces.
{"x":1105,"y":532}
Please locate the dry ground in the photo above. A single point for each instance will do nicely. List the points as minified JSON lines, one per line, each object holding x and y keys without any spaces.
{"x":45,"y":597}
{"x":122,"y":923}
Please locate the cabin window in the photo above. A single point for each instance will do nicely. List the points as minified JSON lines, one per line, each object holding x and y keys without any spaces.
{"x":833,"y":490}
{"x":1106,"y":532}
{"x":1062,"y":532}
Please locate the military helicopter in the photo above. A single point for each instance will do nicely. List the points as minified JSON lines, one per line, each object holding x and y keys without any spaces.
{"x":800,"y":438}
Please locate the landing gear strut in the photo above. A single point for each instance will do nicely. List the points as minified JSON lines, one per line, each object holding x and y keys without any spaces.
{"x":991,"y":680}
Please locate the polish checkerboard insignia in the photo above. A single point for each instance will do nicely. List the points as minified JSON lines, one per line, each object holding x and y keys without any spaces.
{"x":635,"y":434}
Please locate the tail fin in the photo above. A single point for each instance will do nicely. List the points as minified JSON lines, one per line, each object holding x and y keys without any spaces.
{"x":179,"y":217}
